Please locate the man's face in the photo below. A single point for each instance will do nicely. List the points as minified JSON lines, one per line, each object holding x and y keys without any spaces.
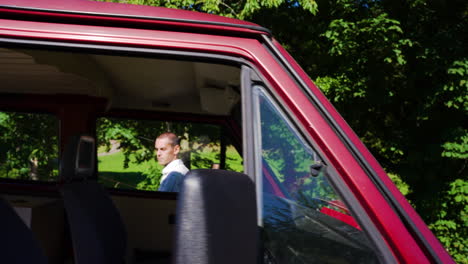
{"x":165,"y":151}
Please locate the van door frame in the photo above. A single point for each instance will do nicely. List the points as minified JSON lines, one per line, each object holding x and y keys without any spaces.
{"x":250,"y":78}
{"x":389,"y":195}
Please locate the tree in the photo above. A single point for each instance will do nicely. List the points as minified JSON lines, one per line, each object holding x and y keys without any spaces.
{"x":28,"y":146}
{"x":235,"y":9}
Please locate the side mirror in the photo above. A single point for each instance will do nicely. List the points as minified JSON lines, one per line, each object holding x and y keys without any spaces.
{"x":315,"y":169}
{"x":216,"y":219}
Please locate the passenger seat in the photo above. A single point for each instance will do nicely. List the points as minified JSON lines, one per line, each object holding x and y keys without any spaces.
{"x":17,"y":242}
{"x":97,"y":231}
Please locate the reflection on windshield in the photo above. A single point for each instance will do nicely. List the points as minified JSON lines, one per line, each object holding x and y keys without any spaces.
{"x":304,"y":219}
{"x":297,"y":234}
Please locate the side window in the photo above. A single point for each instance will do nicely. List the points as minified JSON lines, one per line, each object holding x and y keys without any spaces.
{"x":304,"y":219}
{"x":127,"y":157}
{"x":28,"y":146}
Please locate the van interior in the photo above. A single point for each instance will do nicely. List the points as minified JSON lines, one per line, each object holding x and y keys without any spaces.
{"x":54,"y":100}
{"x":62,"y":93}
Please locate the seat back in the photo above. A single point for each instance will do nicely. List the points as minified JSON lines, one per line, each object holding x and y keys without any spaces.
{"x":216,"y":219}
{"x":17,"y":243}
{"x":97,"y":230}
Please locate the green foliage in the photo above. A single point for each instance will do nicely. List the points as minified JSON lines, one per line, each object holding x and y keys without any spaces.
{"x":136,"y":138}
{"x":456,"y":89}
{"x":347,"y":37}
{"x":373,"y":47}
{"x":398,"y":74}
{"x":451,"y":225}
{"x":400,"y":184}
{"x":235,"y":9}
{"x":28,"y":146}
{"x":457,"y":149}
{"x":152,"y":179}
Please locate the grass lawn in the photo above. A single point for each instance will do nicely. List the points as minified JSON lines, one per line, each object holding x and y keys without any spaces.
{"x":114,"y":163}
{"x":113,"y":174}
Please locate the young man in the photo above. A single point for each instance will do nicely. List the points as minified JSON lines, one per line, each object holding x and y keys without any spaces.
{"x":167,"y":147}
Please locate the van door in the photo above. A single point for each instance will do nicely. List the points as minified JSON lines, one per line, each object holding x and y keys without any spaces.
{"x":301,"y":214}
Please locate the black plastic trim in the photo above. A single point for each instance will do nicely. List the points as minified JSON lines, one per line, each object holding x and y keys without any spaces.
{"x":96,"y":14}
{"x":125,"y":50}
{"x":374,"y":177}
{"x":29,"y":188}
{"x":142,"y":194}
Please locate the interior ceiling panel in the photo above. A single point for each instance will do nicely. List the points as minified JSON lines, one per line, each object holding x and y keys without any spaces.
{"x":151,"y":78}
{"x":128,"y":82}
{"x":22,"y":73}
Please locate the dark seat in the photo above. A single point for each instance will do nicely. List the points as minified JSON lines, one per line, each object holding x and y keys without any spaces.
{"x":17,"y":243}
{"x":97,"y":231}
{"x":216,"y":219}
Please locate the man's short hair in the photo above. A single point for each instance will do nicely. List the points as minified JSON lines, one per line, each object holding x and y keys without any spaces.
{"x":173,"y":138}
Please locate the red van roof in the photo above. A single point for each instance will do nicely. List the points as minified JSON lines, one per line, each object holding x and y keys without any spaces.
{"x":84,"y":9}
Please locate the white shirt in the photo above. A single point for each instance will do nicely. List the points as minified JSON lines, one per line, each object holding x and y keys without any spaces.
{"x":175,"y":165}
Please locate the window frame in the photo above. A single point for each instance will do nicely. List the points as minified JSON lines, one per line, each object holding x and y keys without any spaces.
{"x":48,"y":102}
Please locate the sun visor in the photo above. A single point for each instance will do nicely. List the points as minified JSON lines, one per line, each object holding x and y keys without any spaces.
{"x":215,"y":100}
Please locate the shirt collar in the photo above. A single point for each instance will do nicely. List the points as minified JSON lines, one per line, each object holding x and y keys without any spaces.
{"x":173,"y":166}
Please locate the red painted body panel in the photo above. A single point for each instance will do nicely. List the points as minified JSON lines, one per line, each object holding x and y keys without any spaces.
{"x":94,"y":7}
{"x":90,"y":10}
{"x":399,"y":239}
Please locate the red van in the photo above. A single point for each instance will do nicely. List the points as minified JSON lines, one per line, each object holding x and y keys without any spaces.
{"x":305,"y":189}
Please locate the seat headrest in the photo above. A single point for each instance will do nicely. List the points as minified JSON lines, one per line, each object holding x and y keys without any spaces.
{"x":78,"y":160}
{"x":216,"y":218}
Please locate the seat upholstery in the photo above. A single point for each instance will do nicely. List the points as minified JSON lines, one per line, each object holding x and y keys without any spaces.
{"x":17,"y":242}
{"x":97,"y":230}
{"x":216,"y":219}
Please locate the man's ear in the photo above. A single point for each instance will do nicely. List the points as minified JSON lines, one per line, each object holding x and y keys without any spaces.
{"x":176,"y":149}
